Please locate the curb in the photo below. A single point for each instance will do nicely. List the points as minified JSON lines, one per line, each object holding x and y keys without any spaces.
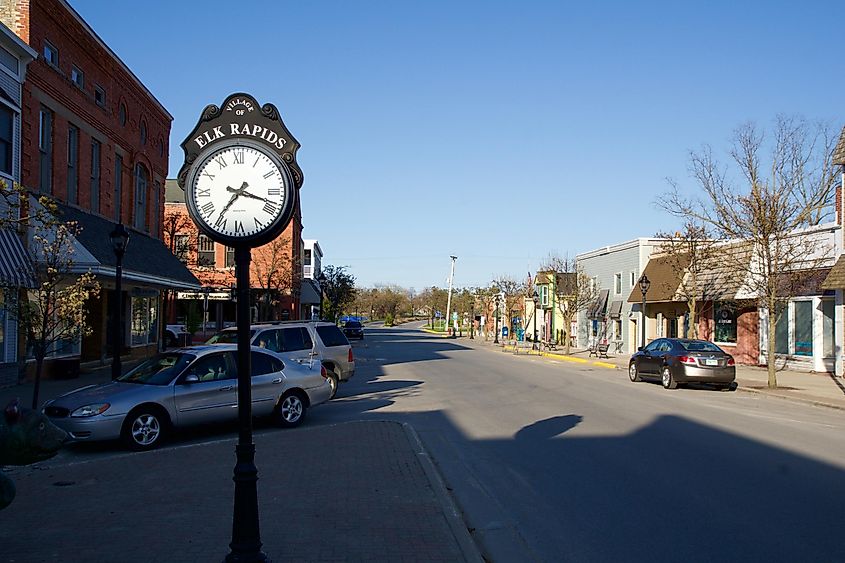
{"x":806,"y":401}
{"x":450,"y":509}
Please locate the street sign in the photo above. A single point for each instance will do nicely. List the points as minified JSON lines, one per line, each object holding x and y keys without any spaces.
{"x":437,"y":314}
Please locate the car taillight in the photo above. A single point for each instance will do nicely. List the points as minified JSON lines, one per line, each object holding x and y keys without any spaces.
{"x":731,"y":362}
{"x":351,"y":357}
{"x":323,"y":372}
{"x":688,"y":360}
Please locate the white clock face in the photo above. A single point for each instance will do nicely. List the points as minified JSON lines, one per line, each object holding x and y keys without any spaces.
{"x":239,"y":191}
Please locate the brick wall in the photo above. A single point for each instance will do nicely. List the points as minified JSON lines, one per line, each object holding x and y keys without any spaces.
{"x":50,"y":86}
{"x":221,"y":276}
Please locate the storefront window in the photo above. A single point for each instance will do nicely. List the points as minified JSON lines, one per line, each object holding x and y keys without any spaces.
{"x":782,"y":333}
{"x":803,"y":328}
{"x":828,"y":320}
{"x":144,"y":320}
{"x":724,"y":316}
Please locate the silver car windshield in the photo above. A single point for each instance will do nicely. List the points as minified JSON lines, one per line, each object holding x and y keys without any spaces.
{"x":158,"y":370}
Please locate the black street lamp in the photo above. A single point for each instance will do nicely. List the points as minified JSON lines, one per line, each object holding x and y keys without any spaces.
{"x":472,"y":321}
{"x":644,"y":285}
{"x":321,"y":279}
{"x":496,"y":336}
{"x":536,"y":299}
{"x":119,"y":238}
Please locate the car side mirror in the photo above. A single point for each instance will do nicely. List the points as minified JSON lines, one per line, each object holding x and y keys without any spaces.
{"x":192,"y":378}
{"x":639,"y":348}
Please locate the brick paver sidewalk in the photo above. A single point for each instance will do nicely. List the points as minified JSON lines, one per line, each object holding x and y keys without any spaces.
{"x":358,"y":491}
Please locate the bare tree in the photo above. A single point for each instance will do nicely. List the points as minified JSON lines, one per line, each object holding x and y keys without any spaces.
{"x":179,"y":235}
{"x":272,"y":268}
{"x":485,"y":297}
{"x":514,"y":293}
{"x":692,"y":255}
{"x":776,"y":190}
{"x":573,"y":290}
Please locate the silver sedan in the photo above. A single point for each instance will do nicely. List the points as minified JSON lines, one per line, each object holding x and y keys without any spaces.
{"x":186,"y":387}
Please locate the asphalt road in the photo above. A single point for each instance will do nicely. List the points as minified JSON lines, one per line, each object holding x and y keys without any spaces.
{"x":557,"y":462}
{"x":554,"y":461}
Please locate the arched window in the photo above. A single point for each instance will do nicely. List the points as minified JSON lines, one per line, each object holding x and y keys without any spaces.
{"x":121,"y":114}
{"x":143,"y":132}
{"x":141,"y":183}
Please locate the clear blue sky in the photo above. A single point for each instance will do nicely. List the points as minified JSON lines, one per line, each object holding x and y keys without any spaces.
{"x":496,"y":131}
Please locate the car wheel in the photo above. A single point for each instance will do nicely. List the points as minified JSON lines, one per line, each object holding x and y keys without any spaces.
{"x":144,"y":429}
{"x":171,"y":341}
{"x":729,"y":386}
{"x":333,"y":381}
{"x":291,"y":410}
{"x":633,"y":373}
{"x":667,"y":379}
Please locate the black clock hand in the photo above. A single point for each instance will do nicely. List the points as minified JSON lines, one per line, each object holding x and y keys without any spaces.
{"x":228,"y":205}
{"x":253,"y":196}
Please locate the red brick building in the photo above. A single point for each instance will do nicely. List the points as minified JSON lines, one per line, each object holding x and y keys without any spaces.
{"x":275,"y":271}
{"x":96,"y":139}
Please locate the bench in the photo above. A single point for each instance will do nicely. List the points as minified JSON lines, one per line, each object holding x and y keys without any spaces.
{"x":549,"y":344}
{"x":599,"y":351}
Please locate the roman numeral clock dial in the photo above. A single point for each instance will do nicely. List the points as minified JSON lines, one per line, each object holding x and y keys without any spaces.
{"x":240,"y":192}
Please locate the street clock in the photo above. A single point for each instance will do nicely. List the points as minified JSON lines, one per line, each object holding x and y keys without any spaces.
{"x":240,"y":175}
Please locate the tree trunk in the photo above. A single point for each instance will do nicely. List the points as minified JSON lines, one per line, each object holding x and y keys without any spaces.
{"x":770,"y":350}
{"x":39,"y":364}
{"x":567,"y":321}
{"x":693,"y":326}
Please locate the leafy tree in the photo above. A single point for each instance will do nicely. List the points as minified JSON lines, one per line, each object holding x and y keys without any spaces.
{"x":338,"y":291}
{"x":431,"y":300}
{"x":53,"y":314}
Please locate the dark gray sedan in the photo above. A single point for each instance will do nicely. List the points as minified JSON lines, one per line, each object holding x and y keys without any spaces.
{"x":681,"y":360}
{"x":184,"y":387}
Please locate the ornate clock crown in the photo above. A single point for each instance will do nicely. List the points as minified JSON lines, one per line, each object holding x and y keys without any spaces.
{"x":240,"y":116}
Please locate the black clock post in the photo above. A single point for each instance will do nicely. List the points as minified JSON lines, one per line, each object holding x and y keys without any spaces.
{"x":241,"y":183}
{"x":246,"y":537}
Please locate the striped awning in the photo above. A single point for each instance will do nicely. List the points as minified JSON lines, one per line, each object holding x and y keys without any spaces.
{"x":15,"y":265}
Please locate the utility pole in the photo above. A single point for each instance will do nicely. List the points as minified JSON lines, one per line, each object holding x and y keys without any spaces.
{"x":449,"y":298}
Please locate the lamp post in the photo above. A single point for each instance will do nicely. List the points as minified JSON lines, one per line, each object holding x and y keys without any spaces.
{"x":119,"y":238}
{"x":536,"y":299}
{"x":449,"y":298}
{"x":321,"y":279}
{"x":644,"y":285}
{"x":496,"y":335}
{"x":472,"y":321}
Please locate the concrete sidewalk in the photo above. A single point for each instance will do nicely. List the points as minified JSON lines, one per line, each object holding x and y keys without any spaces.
{"x":820,"y":389}
{"x":358,"y":491}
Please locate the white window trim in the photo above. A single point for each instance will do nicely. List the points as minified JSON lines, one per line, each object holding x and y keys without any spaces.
{"x":78,"y":71}
{"x":53,"y":48}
